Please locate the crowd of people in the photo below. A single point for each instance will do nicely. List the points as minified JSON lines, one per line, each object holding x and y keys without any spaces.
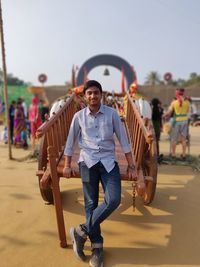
{"x":24,"y":121}
{"x":176,"y":117}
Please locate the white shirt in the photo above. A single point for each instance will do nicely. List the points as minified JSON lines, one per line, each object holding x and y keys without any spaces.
{"x":96,"y":136}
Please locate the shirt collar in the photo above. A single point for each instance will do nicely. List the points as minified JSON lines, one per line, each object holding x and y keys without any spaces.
{"x":101,"y":110}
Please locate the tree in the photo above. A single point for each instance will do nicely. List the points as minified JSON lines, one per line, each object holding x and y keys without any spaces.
{"x":12,"y":80}
{"x":193,"y":76}
{"x":153,"y":78}
{"x":180,"y":82}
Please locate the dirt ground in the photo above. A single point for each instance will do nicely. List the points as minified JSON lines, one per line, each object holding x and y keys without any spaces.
{"x":166,"y":233}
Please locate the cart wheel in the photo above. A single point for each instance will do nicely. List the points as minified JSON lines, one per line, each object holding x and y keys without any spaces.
{"x":46,"y":193}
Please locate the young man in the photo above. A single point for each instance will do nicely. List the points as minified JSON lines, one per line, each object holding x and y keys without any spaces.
{"x":95,"y":126}
{"x":180,"y":109}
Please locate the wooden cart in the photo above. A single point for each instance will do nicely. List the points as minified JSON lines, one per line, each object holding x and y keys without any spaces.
{"x":53,"y":134}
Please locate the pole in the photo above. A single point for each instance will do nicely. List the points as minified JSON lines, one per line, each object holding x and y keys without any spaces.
{"x":5,"y":82}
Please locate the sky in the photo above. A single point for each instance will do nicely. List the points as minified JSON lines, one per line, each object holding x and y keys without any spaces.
{"x":48,"y":36}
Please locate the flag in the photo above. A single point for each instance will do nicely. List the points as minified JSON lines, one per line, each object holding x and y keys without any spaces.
{"x":85,"y":75}
{"x":134,"y":85}
{"x":73,"y":81}
{"x":135,"y":76}
{"x":123,"y":80}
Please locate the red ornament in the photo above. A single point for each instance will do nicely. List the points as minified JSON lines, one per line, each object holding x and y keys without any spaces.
{"x":42,"y":78}
{"x":168,"y":76}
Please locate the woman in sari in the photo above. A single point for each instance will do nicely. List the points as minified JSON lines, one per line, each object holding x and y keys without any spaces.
{"x":19,"y":122}
{"x":35,"y":120}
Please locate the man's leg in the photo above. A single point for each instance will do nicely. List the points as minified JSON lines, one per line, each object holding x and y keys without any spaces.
{"x":11,"y":129}
{"x":173,"y":148}
{"x":90,"y":180}
{"x":184,"y":134}
{"x":184,"y":146}
{"x":95,"y":214}
{"x":78,"y":239}
{"x":174,"y":139}
{"x":111,"y":183}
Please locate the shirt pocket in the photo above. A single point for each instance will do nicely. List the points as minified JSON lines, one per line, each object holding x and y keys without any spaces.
{"x":106,"y":131}
{"x":89,"y":133}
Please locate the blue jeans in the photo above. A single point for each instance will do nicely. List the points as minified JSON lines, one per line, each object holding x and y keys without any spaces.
{"x":96,"y":214}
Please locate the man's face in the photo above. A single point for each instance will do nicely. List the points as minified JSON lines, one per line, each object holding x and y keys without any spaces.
{"x":93,"y":96}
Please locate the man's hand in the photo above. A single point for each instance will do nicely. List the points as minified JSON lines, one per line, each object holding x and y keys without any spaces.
{"x":68,"y":172}
{"x":132,"y":173}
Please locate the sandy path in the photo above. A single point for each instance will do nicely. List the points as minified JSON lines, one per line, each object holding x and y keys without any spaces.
{"x":163,"y":234}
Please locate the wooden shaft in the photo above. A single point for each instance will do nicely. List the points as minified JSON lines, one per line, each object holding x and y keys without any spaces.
{"x":57,"y":197}
{"x":47,"y":125}
{"x":61,"y":130}
{"x":55,"y":139}
{"x":5,"y":83}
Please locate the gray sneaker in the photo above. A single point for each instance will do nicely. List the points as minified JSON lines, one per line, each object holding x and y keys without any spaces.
{"x":97,"y":257}
{"x":78,"y":244}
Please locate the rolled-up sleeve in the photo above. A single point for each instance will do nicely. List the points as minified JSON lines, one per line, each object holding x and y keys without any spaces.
{"x":121,"y":133}
{"x":72,"y":136}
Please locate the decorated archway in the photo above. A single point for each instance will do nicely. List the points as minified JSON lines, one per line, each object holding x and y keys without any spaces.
{"x":108,"y":60}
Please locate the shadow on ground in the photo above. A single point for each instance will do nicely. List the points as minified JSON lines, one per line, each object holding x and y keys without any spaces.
{"x":179,"y":208}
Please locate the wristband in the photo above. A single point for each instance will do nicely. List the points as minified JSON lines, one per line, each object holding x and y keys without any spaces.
{"x":132,"y":167}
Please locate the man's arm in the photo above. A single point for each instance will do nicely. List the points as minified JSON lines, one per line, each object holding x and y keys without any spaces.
{"x":67,"y":170}
{"x":130,"y":160}
{"x":123,"y":140}
{"x":168,"y":113}
{"x":131,"y":169}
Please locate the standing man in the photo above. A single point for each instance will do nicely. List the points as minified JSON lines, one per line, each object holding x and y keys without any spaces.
{"x":11,"y":117}
{"x":95,"y":126}
{"x":157,"y":113}
{"x":180,"y":110}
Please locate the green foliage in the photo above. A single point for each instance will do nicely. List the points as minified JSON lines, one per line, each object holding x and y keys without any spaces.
{"x":14,"y":92}
{"x":194,"y":78}
{"x":180,"y":82}
{"x":16,"y":88}
{"x":14,"y":80}
{"x":153,"y":78}
{"x":11,"y":79}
